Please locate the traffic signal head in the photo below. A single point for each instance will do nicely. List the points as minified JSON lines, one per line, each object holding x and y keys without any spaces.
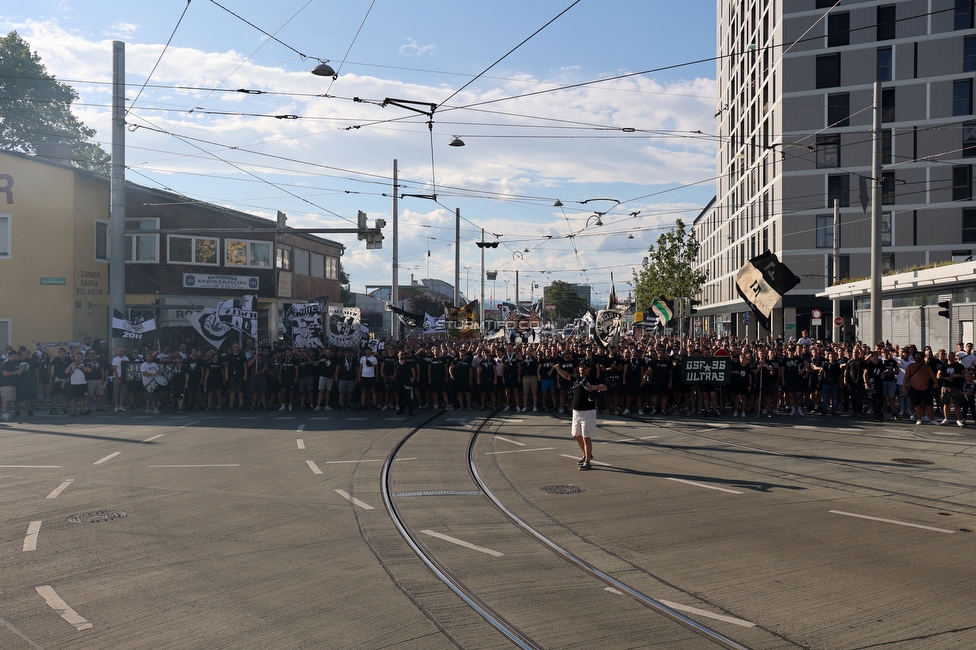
{"x":946,"y":309}
{"x":487,"y":244}
{"x":692,"y":304}
{"x":361,"y":225}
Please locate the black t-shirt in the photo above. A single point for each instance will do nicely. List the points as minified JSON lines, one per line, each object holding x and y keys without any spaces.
{"x":194,"y":368}
{"x":830,"y":372}
{"x":10,"y":365}
{"x":286,"y":372}
{"x":953,"y":375}
{"x":347,"y":369}
{"x":326,"y":367}
{"x":58,"y":368}
{"x":93,"y":368}
{"x":530,"y":366}
{"x":403,"y":372}
{"x":546,"y":367}
{"x":582,"y":399}
{"x":438,"y":368}
{"x":235,"y":364}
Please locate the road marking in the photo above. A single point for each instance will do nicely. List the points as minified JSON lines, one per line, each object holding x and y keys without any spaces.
{"x":109,"y":457}
{"x":315,"y":468}
{"x":648,"y":437}
{"x":628,"y":440}
{"x":517,"y":451}
{"x":301,"y":427}
{"x":31,"y":466}
{"x":454,"y":540}
{"x":179,"y":466}
{"x":707,"y":614}
{"x":188,"y":424}
{"x":351,"y":499}
{"x":301,"y":444}
{"x":613,"y":591}
{"x":514,"y":420}
{"x":702,"y":485}
{"x":520,"y":444}
{"x":61,"y":488}
{"x":30,"y":542}
{"x":334,"y":462}
{"x":892,"y":521}
{"x":154,"y":437}
{"x":285,"y":417}
{"x":592,"y":462}
{"x":61,"y":607}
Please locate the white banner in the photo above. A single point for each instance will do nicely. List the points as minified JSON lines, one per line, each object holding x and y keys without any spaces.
{"x":344,"y":327}
{"x":305,"y":325}
{"x":231,"y":282}
{"x":218,"y":324}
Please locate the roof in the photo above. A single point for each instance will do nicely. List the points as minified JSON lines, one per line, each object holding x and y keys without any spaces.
{"x":939,"y":277}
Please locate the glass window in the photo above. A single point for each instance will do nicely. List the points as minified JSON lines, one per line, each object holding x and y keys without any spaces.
{"x":886,"y":142}
{"x":962,"y":182}
{"x":141,"y":248}
{"x":101,"y":240}
{"x":259,"y":254}
{"x":838,"y":110}
{"x":301,"y":261}
{"x":845,"y":268}
{"x":969,"y":225}
{"x":332,"y":268}
{"x":886,"y":228}
{"x":838,"y":29}
{"x":828,"y":150}
{"x":4,"y":235}
{"x":888,"y":263}
{"x":888,"y":105}
{"x":828,"y":71}
{"x":962,"y":97}
{"x":884,"y":64}
{"x":825,"y":231}
{"x":283,"y":258}
{"x":235,"y":253}
{"x":839,"y":187}
{"x":886,"y":23}
{"x":963,"y":17}
{"x":969,"y":54}
{"x":193,"y":250}
{"x":969,"y":139}
{"x":317,"y":265}
{"x":887,"y":188}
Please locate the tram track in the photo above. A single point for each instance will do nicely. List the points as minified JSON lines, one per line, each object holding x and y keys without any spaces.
{"x":472,"y":599}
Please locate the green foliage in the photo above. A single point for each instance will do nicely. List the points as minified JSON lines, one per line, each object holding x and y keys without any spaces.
{"x":569,"y":303}
{"x":907,"y":269}
{"x":669,"y":268}
{"x":35,"y":108}
{"x":345,"y":293}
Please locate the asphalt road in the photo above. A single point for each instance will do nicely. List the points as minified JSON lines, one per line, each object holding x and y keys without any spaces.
{"x":269,"y":530}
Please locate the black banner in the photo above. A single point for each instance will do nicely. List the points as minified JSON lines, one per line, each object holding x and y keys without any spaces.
{"x":706,"y":370}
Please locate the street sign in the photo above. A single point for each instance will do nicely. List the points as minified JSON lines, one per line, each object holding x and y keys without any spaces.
{"x":745,"y":318}
{"x":816,"y":313}
{"x":816,"y":322}
{"x":639,"y":317}
{"x":839,"y":321}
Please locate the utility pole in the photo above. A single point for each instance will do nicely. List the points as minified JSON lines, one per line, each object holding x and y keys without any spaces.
{"x":481,"y":296}
{"x":876,"y":328}
{"x":457,"y":257}
{"x":395,"y":287}
{"x":835,"y":303}
{"x":116,"y":267}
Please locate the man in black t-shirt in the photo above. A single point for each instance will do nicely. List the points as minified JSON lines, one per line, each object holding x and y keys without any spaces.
{"x":584,"y":409}
{"x":235,"y":375}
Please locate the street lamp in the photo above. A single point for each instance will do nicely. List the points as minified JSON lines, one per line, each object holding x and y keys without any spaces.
{"x":323,"y":69}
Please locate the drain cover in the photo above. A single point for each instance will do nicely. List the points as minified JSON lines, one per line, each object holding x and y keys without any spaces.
{"x":562,"y":489}
{"x":95,"y":517}
{"x":912,"y":461}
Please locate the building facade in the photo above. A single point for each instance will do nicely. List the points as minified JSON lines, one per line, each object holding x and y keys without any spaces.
{"x":795,"y":132}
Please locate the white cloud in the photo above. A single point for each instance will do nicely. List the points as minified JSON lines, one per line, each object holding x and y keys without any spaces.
{"x":412,"y":49}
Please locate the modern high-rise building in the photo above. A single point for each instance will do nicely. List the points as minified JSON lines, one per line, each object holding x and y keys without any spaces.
{"x":795,"y":114}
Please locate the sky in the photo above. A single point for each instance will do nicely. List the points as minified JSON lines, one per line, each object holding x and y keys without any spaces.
{"x":606,"y":105}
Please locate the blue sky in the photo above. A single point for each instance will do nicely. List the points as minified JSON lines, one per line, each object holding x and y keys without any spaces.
{"x":192,"y":136}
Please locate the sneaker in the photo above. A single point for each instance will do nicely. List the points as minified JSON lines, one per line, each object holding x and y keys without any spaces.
{"x":116,"y":410}
{"x":5,"y":416}
{"x":626,"y":412}
{"x":959,"y":423}
{"x":582,"y":461}
{"x":918,"y":422}
{"x":282,"y":408}
{"x":585,"y":466}
{"x":319,"y":408}
{"x":943,"y":422}
{"x":535,"y":409}
{"x":450,"y":408}
{"x":31,"y":414}
{"x":561,"y":410}
{"x":156,"y":412}
{"x":506,"y":407}
{"x":290,"y":408}
{"x":327,"y":408}
{"x":53,"y":412}
{"x":121,"y":409}
{"x":926,"y":419}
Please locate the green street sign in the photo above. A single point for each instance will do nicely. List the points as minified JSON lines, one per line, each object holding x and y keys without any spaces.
{"x":54,"y":281}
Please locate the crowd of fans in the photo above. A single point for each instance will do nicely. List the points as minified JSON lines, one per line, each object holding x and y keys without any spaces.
{"x":643,"y":376}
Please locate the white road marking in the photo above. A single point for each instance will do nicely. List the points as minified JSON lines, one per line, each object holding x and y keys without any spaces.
{"x":613,"y":591}
{"x":285,"y":417}
{"x":301,"y":444}
{"x":109,"y":457}
{"x":892,"y":521}
{"x":353,"y":500}
{"x":454,"y":540}
{"x":702,"y":485}
{"x":178,"y":466}
{"x":520,"y":444}
{"x":160,"y":435}
{"x":61,"y":488}
{"x":517,"y":451}
{"x":188,"y":424}
{"x":592,"y":462}
{"x":31,"y":466}
{"x":335,"y":462}
{"x":301,"y":427}
{"x":61,"y":607}
{"x":629,"y":440}
{"x":707,"y":614}
{"x":315,"y":468}
{"x":648,"y":437}
{"x":30,"y":542}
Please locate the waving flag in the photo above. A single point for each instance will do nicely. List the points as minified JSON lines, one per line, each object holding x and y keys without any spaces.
{"x":663,"y":309}
{"x":762,"y":282}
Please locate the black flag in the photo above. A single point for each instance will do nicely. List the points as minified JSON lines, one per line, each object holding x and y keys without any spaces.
{"x":762,"y":281}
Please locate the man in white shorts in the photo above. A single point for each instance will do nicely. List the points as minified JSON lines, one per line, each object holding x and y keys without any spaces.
{"x":584,"y":409}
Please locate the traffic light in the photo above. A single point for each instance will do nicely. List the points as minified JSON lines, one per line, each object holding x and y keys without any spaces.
{"x":374,"y":237}
{"x":487,"y":244}
{"x":692,"y":304}
{"x":491,"y":275}
{"x":361,"y":226}
{"x":946,"y":309}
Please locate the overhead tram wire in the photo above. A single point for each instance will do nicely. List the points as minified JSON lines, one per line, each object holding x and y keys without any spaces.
{"x":156,"y":65}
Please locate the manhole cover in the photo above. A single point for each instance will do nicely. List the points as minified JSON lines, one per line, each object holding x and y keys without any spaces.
{"x":912,"y":461}
{"x":562,"y":489}
{"x":94,"y":517}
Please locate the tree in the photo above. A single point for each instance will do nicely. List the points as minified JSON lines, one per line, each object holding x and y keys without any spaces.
{"x":569,"y":303}
{"x":35,"y":108}
{"x":669,"y":269}
{"x":345,"y":290}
